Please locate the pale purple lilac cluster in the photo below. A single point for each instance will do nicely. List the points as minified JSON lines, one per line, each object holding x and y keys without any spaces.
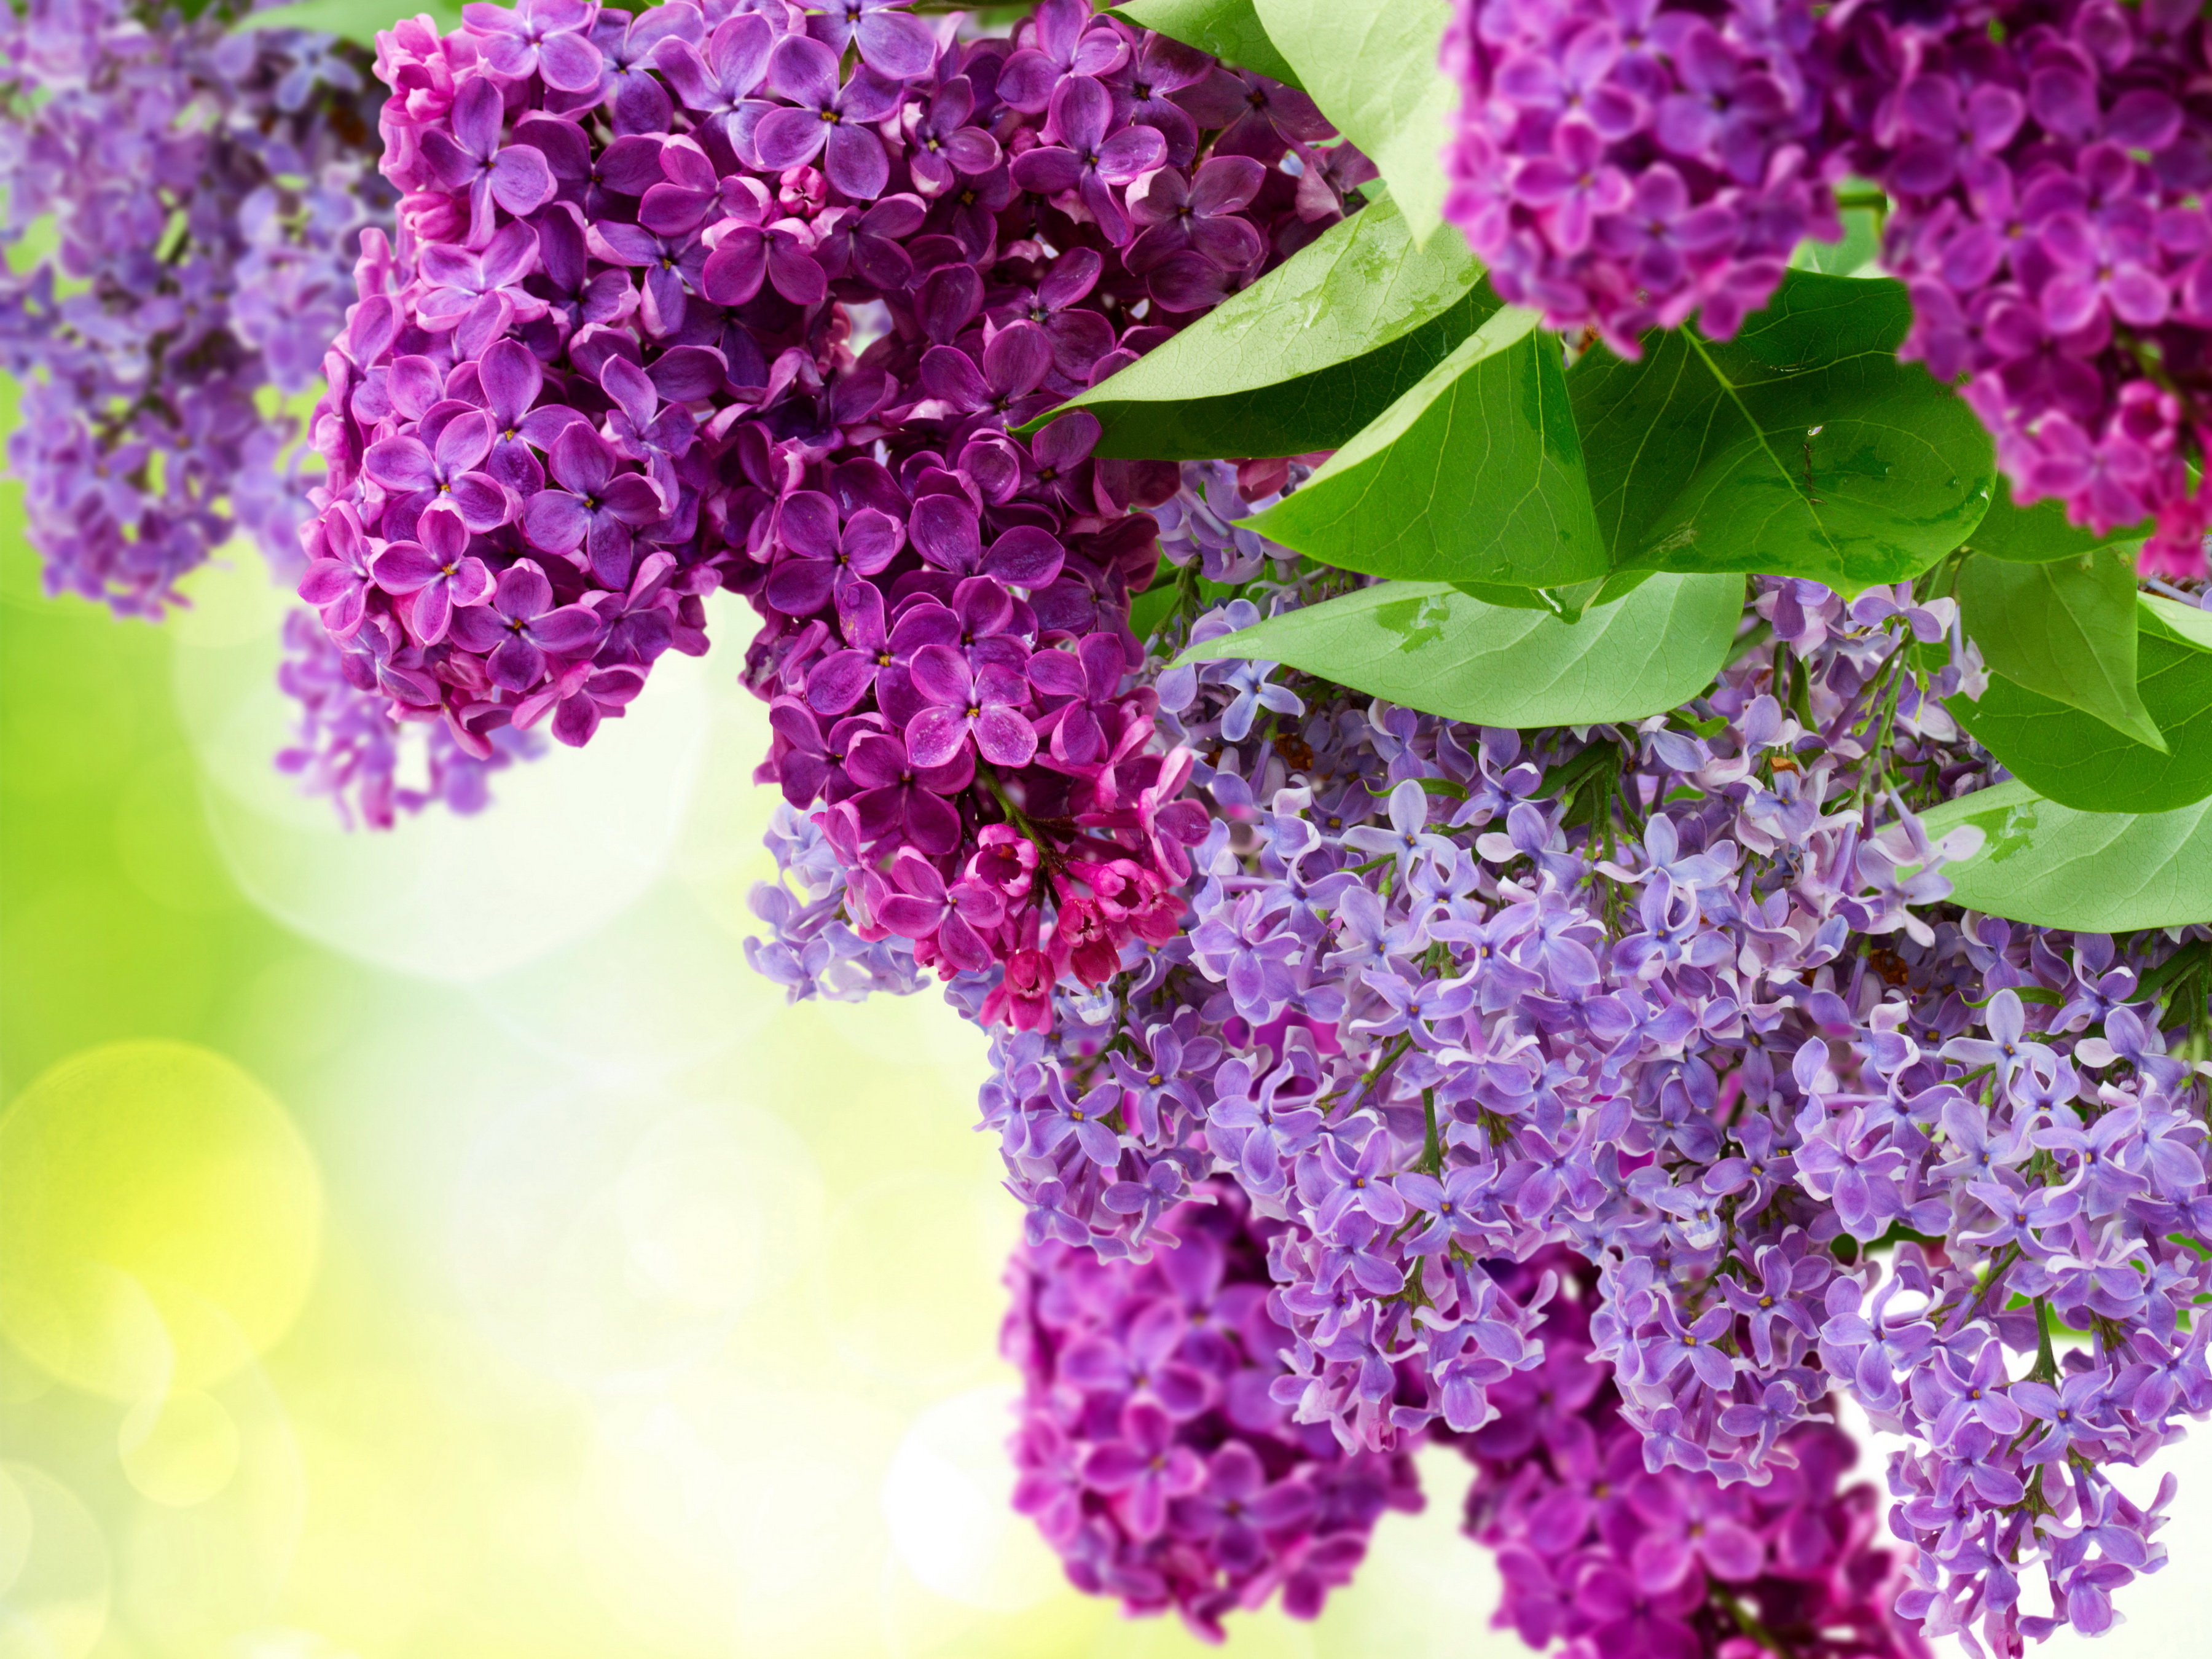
{"x":1624,"y":165}
{"x":1151,"y":1453}
{"x":1617,"y":1561}
{"x":2048,"y":163}
{"x":687,"y":302}
{"x":207,"y":189}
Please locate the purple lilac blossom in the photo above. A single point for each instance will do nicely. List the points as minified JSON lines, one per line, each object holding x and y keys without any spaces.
{"x":611,"y":348}
{"x":208,"y":189}
{"x":1150,"y":1453}
{"x":1620,"y":1562}
{"x":2048,"y":164}
{"x":1622,"y":167}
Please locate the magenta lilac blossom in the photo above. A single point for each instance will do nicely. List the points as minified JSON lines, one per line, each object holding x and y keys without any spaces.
{"x":608,"y":367}
{"x":1152,"y":1454}
{"x":1617,"y":1561}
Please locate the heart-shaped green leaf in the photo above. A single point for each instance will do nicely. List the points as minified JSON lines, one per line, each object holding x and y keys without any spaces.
{"x":2094,"y":872}
{"x":1230,"y":29}
{"x":1802,"y":447}
{"x":1302,"y":359}
{"x":1374,"y":70}
{"x":2068,"y":756}
{"x":2033,"y":535}
{"x":1475,"y":474}
{"x":2065,"y":630}
{"x":1428,"y":646}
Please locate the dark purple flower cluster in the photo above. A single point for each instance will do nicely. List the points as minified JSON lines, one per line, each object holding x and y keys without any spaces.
{"x":691,"y":300}
{"x":207,"y":189}
{"x":1152,"y":1454}
{"x":2048,"y":162}
{"x":1626,"y":1562}
{"x":1623,"y":165}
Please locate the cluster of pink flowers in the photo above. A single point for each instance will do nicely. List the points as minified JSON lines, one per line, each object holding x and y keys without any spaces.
{"x":1152,"y":1454}
{"x":1623,"y":167}
{"x":690,"y":301}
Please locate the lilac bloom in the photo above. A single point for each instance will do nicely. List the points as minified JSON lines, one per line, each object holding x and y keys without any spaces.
{"x":1245,"y":949}
{"x":508,"y":380}
{"x":436,"y":570}
{"x":805,"y":72}
{"x":1237,"y":1505}
{"x":338,"y":581}
{"x":1777,"y":1411}
{"x":604,"y":184}
{"x":1046,"y":1215}
{"x":673,"y":267}
{"x":1268,"y":1135}
{"x":896,"y":798}
{"x":512,"y":176}
{"x":965,"y":701}
{"x":1161,"y":1189}
{"x":457,"y":281}
{"x":1168,"y":1079}
{"x":1256,"y":117}
{"x":2006,"y":1047}
{"x":1334,"y":1187}
{"x":1064,"y":40}
{"x":1367,"y":937}
{"x":2127,"y":1037}
{"x":924,"y":908}
{"x":1575,"y":188}
{"x":446,"y":475}
{"x":1146,"y":1469}
{"x":596,"y":506}
{"x":718,"y":80}
{"x":1143,"y":90}
{"x":1200,"y":214}
{"x":1578,"y":84}
{"x":1775,"y":1296}
{"x":1407,"y":840}
{"x":631,"y":46}
{"x":1360,"y":1342}
{"x":1142,"y":1362}
{"x":1955,"y":1393}
{"x":750,"y":249}
{"x":942,"y":147}
{"x":1084,"y":159}
{"x":521,"y":628}
{"x":1004,"y":386}
{"x":1079,"y":336}
{"x":2069,"y":1409}
{"x":544,"y":38}
{"x":1696,"y":1345}
{"x":892,"y":42}
{"x":1450,"y":1205}
{"x":1090,"y":679}
{"x":820,"y":559}
{"x":2101,"y":1173}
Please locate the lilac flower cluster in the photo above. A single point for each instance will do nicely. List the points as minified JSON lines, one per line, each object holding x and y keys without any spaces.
{"x":1152,"y":1454}
{"x":2048,"y":162}
{"x":685,"y":302}
{"x":207,"y":189}
{"x":1622,"y":165}
{"x":1674,"y":994}
{"x":1624,"y":1563}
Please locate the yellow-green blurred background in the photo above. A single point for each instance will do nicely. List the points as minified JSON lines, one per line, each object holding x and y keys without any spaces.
{"x":438,"y":1245}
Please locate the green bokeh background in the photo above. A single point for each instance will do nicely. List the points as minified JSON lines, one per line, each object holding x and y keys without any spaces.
{"x":441,"y":1244}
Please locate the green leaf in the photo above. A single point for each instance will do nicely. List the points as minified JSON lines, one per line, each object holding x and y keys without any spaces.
{"x":2096,"y":872}
{"x":1475,"y":474}
{"x":1802,"y":447}
{"x":1428,"y":646}
{"x":2035,"y":535}
{"x":1302,"y":359}
{"x":2065,"y":630}
{"x":1855,"y":255}
{"x":1374,"y":70}
{"x":1230,"y":29}
{"x":2078,"y":761}
{"x":357,"y":21}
